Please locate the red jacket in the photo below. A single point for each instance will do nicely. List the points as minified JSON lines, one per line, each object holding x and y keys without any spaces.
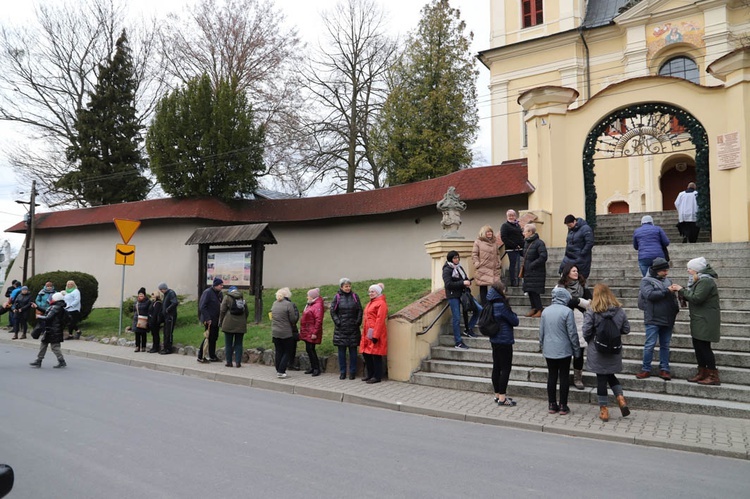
{"x":311,"y":323}
{"x":375,"y":318}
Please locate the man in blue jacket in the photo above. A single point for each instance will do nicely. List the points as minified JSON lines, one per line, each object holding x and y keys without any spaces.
{"x":651,"y":242}
{"x":578,"y":246}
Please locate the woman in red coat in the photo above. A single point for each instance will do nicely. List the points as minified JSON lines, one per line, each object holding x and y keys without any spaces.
{"x":311,"y":328}
{"x":374,"y":343}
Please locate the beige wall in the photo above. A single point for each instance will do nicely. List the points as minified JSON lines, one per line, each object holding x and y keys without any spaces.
{"x":308,"y":253}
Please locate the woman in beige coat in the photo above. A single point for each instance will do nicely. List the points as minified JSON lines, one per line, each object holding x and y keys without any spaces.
{"x":486,"y":258}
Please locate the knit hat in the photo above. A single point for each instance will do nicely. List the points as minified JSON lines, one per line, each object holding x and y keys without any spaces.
{"x":569,"y":219}
{"x":452,"y":255}
{"x":659,"y":264}
{"x":647,"y":219}
{"x":377,"y":289}
{"x":57,"y":297}
{"x":24,"y":288}
{"x":697,"y":264}
{"x":218,"y":281}
{"x":313,"y":293}
{"x":163,"y":286}
{"x":142,"y":291}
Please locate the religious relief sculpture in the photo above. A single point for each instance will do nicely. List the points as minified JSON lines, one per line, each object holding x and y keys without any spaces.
{"x":451,"y":206}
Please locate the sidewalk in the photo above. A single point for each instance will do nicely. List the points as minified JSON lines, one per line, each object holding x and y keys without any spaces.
{"x":694,"y":433}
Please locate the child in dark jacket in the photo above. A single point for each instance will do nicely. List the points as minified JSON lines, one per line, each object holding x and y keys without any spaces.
{"x":502,"y":342}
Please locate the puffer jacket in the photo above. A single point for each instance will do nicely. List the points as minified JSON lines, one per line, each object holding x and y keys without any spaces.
{"x":534,"y":264}
{"x":578,"y":247}
{"x":231,"y":323}
{"x":649,"y":240}
{"x":376,"y":318}
{"x":311,"y":323}
{"x":22,"y":303}
{"x":598,"y":362}
{"x":505,"y":316}
{"x":558,"y":336}
{"x":486,"y":261}
{"x":43,"y":298}
{"x":54,"y":322}
{"x":703,"y":303}
{"x":346,"y":312}
{"x":454,"y":286}
{"x":512,"y":236}
{"x":658,"y":303}
{"x":284,"y":316}
{"x":141,"y":308}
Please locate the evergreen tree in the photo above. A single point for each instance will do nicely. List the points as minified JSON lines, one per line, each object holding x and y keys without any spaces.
{"x":203,"y":142}
{"x":106,"y":146}
{"x":429,"y":120}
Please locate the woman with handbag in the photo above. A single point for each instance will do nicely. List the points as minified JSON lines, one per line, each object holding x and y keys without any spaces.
{"x":140,"y":320}
{"x":284,"y":317}
{"x":456,"y":283}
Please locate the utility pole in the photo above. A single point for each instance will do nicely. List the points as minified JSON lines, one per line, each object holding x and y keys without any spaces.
{"x":29,"y":240}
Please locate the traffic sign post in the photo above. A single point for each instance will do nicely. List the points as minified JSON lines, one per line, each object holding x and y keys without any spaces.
{"x":125,"y":254}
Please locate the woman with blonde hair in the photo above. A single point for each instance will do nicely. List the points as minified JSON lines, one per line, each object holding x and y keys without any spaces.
{"x":486,"y":261}
{"x":284,"y":317}
{"x":602,"y":361}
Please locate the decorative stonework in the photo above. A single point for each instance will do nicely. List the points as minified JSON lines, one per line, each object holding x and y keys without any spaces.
{"x":451,"y":206}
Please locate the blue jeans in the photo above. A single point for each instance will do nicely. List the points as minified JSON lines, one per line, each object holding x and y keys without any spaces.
{"x":233,"y":344}
{"x":664,"y":335}
{"x":644,"y":264}
{"x":352,"y":359}
{"x":455,"y":304}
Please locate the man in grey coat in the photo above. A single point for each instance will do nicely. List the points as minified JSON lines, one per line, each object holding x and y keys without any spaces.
{"x":170,"y":316}
{"x":660,"y":308}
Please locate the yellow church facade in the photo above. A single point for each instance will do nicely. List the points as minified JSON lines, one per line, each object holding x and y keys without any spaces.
{"x":618,"y":104}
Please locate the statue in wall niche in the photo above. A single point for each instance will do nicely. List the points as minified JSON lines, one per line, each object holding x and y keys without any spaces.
{"x":451,"y":206}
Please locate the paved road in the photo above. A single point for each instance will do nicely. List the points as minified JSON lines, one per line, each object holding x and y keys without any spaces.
{"x":101,"y":430}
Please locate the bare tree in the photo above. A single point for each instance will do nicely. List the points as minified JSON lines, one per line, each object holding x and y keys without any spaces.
{"x":46,"y":72}
{"x":246,"y":42}
{"x":346,"y":78}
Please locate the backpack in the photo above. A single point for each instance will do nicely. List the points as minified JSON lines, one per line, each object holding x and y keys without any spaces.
{"x":607,"y":338}
{"x":238,"y":307}
{"x":487,"y":323}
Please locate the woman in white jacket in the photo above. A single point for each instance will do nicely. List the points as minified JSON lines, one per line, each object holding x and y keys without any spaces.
{"x":579,"y":303}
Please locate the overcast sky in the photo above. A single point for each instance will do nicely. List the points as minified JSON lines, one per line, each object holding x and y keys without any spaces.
{"x":403,"y":17}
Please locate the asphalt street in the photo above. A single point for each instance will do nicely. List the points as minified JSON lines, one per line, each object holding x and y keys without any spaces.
{"x":98,"y":429}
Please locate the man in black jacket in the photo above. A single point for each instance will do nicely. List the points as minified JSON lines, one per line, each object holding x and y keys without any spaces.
{"x":208,"y":308}
{"x":512,"y":236}
{"x":170,"y":316}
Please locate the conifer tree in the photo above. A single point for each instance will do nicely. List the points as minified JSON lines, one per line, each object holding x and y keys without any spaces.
{"x":429,"y":121}
{"x":106,"y":150}
{"x":203,"y":141}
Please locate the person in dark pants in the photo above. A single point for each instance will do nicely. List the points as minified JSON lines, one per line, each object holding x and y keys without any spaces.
{"x":209,"y":307}
{"x":558,"y":340}
{"x":284,"y":317}
{"x":140,"y":320}
{"x":73,"y":307}
{"x":54,"y":325}
{"x":155,"y":320}
{"x":21,"y":307}
{"x":512,"y":236}
{"x":233,"y":319}
{"x":687,"y":214}
{"x":578,"y":245}
{"x":346,"y":312}
{"x":311,"y":328}
{"x":374,"y":342}
{"x":170,"y":316}
{"x":502,"y":342}
{"x":534,"y":269}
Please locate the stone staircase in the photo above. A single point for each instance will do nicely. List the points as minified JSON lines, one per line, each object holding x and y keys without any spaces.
{"x":618,"y":229}
{"x":617,"y":266}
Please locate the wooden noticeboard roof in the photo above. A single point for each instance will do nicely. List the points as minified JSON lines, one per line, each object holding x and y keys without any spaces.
{"x":232,"y":235}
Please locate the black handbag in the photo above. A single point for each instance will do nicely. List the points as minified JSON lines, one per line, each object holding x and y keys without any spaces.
{"x":467,"y":301}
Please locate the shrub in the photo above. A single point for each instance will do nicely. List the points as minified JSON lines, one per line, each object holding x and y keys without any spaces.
{"x":86,"y":283}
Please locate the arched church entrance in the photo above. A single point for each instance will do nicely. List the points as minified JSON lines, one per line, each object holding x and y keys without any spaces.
{"x":648,"y":129}
{"x":676,"y":173}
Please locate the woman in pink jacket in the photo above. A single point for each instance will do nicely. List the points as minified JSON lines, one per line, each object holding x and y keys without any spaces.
{"x":374,"y":343}
{"x":311,"y":328}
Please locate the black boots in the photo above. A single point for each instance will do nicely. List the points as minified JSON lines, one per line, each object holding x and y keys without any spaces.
{"x":36,"y":363}
{"x":60,"y":363}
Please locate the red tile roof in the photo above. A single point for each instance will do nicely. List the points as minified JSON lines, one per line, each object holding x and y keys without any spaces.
{"x":507,"y":179}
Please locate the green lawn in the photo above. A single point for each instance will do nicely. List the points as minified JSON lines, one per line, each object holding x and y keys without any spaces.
{"x":103,"y":322}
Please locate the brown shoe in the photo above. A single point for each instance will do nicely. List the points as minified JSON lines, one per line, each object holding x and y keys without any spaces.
{"x":665,"y":375}
{"x":15,"y":337}
{"x":538,"y":313}
{"x":531,"y":313}
{"x":643,"y":375}
{"x":712,"y":378}
{"x":623,"y":406}
{"x":702,"y":373}
{"x":603,"y":413}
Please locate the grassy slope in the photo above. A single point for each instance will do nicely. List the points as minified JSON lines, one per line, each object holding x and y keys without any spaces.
{"x":399,"y":293}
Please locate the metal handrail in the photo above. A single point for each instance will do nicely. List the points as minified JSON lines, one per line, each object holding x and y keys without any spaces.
{"x":425,"y":330}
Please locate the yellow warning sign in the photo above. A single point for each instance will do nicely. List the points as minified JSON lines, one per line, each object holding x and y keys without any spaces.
{"x":126,"y":228}
{"x":125,"y":254}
